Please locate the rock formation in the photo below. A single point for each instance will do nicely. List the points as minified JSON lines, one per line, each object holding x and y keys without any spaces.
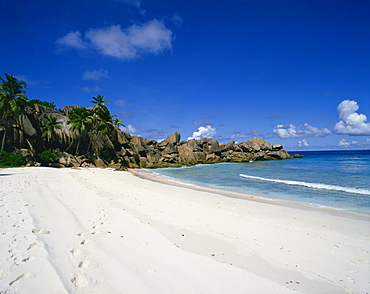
{"x":121,"y":150}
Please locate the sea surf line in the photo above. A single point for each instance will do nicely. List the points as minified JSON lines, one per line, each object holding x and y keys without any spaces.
{"x":311,"y":185}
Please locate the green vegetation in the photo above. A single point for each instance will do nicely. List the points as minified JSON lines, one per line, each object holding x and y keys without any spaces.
{"x":90,"y":124}
{"x":31,"y":103}
{"x":48,"y":156}
{"x":11,"y":97}
{"x":81,"y":120}
{"x":49,"y":127}
{"x":11,"y":160}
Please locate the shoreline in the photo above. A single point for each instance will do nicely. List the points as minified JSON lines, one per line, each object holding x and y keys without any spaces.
{"x":149,"y":174}
{"x":105,"y":231}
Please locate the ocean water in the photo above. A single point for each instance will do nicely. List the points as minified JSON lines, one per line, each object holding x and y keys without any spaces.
{"x":338,"y":180}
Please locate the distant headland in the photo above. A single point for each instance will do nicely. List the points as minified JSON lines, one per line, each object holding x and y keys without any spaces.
{"x":90,"y":137}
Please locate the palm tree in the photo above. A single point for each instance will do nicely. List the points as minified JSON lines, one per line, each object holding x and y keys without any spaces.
{"x":82,"y":121}
{"x":49,"y":127}
{"x":11,"y":94}
{"x":116,"y":121}
{"x":99,"y":109}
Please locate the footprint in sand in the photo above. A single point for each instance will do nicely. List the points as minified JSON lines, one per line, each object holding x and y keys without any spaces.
{"x":84,"y":242}
{"x":75,"y":251}
{"x":83,"y":264}
{"x":32,"y":245}
{"x":22,"y":276}
{"x":27,"y":259}
{"x":43,"y":232}
{"x":350,"y":280}
{"x":80,"y":281}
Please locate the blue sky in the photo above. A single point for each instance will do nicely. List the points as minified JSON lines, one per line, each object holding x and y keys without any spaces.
{"x":292,"y":72}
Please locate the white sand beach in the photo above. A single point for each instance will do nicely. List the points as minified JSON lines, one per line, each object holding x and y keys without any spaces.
{"x":104,"y":231}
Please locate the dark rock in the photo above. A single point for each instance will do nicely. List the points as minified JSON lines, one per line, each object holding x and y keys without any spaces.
{"x":174,"y":138}
{"x":249,"y":146}
{"x":213,"y":146}
{"x":277,"y":147}
{"x":281,"y":154}
{"x":213,"y":158}
{"x":98,"y":162}
{"x":200,"y":156}
{"x":56,"y":164}
{"x":142,"y":141}
{"x":27,"y":126}
{"x":229,"y":146}
{"x":122,"y":138}
{"x":262,"y":144}
{"x":170,"y":148}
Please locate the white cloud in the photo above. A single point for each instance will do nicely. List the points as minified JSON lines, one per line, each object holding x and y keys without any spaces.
{"x":303,"y":143}
{"x":130,"y":129}
{"x":345,"y":143}
{"x":72,"y":39}
{"x":91,"y":89}
{"x":351,"y":122}
{"x":291,"y":131}
{"x":123,"y":43}
{"x":203,"y":132}
{"x":95,"y":74}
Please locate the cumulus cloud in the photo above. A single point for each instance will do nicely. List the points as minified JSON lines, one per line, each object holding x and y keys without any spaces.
{"x":123,"y":43}
{"x":130,"y":129}
{"x":351,"y":122}
{"x":303,"y":143}
{"x":95,"y":75}
{"x":357,"y":144}
{"x":203,"y":132}
{"x":292,"y":131}
{"x":344,"y":143}
{"x":72,"y":39}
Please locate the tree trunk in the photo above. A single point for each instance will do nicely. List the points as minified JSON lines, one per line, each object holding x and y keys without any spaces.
{"x":70,"y":145}
{"x":3,"y":142}
{"x":78,"y":144}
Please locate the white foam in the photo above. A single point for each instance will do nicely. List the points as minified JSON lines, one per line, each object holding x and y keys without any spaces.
{"x":311,"y":185}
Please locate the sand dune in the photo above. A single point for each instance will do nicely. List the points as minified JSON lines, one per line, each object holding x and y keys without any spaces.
{"x":102,"y":231}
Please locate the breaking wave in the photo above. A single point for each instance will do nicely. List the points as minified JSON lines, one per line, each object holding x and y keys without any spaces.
{"x":311,"y":185}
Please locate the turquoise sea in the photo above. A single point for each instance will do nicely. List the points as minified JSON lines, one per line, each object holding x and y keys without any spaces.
{"x":338,"y":180}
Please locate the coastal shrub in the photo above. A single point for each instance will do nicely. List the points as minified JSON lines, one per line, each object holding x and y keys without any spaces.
{"x":48,"y":156}
{"x":31,"y":103}
{"x":11,"y":160}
